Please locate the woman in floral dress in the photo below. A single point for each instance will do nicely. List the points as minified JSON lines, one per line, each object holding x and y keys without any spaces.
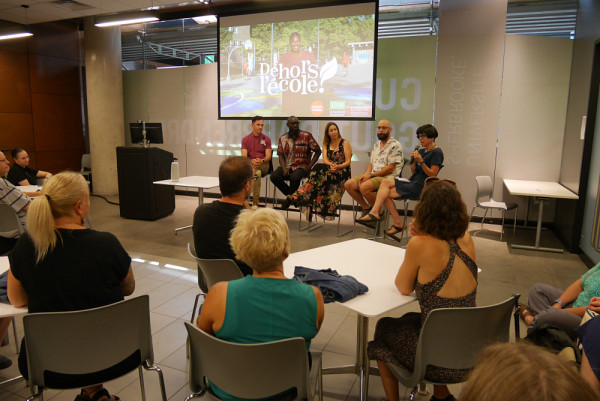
{"x":325,"y":185}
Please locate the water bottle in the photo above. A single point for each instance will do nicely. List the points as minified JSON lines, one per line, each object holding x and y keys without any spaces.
{"x":175,"y":170}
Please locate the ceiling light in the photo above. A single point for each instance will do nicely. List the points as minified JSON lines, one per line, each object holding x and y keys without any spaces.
{"x":205,"y":19}
{"x":126,"y":18}
{"x":17,"y":31}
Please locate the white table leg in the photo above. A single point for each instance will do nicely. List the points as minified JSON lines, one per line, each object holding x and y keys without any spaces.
{"x":200,"y":202}
{"x":538,"y":232}
{"x":362,"y":366}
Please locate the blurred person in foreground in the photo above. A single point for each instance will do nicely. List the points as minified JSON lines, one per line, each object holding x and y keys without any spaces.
{"x":266,"y":306}
{"x":523,"y":371}
{"x":439,"y":265}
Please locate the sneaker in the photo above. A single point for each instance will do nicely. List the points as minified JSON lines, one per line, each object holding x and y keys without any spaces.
{"x":5,"y":362}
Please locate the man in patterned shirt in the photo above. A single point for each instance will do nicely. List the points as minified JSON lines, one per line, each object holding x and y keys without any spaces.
{"x":294,"y":150}
{"x":386,"y":162}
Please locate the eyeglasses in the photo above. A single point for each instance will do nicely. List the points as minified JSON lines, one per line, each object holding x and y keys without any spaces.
{"x":431,"y":180}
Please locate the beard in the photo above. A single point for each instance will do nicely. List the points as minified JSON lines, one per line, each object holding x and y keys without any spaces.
{"x":383,"y":137}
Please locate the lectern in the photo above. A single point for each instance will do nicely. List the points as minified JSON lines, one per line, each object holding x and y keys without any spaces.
{"x":137,"y":168}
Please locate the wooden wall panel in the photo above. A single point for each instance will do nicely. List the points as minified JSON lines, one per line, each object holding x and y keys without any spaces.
{"x":57,"y":39}
{"x":57,"y":122}
{"x":16,"y":130}
{"x":41,"y":96}
{"x":56,"y":161}
{"x":54,"y":75}
{"x":14,"y":82}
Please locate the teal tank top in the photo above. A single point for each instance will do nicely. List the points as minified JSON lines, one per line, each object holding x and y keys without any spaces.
{"x":266,"y":309}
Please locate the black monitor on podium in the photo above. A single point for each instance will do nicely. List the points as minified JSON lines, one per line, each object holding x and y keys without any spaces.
{"x":146,"y":133}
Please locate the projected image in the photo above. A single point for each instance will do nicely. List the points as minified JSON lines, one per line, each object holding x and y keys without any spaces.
{"x":311,"y":68}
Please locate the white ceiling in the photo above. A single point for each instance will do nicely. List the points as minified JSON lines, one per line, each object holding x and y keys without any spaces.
{"x":55,"y":10}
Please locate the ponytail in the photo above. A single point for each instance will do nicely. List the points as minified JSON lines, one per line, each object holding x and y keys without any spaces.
{"x":60,"y":194}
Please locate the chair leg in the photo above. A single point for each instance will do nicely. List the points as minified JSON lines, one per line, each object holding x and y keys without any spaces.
{"x":483,"y":218}
{"x":413,"y":393}
{"x":14,"y":325}
{"x":405,"y":231}
{"x":142,"y":386}
{"x":161,"y":379}
{"x":515,"y":222}
{"x":194,"y":308}
{"x":502,"y":227}
{"x":339,"y":211}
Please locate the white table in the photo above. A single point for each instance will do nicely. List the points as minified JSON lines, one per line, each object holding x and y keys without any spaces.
{"x":541,"y":191}
{"x":373,"y":264}
{"x":7,"y":310}
{"x":193,"y":181}
{"x":29,"y":188}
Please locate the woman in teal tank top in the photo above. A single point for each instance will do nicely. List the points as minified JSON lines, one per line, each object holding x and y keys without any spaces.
{"x":265,"y":306}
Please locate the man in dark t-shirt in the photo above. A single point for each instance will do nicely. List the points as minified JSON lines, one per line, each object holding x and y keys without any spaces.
{"x":213,"y":221}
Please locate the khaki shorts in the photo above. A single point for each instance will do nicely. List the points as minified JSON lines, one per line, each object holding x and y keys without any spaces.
{"x":375,"y":181}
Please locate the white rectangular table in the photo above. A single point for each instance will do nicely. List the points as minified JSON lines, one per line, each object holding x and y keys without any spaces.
{"x":7,"y":310}
{"x":541,"y":191}
{"x":373,"y":264}
{"x":193,"y":181}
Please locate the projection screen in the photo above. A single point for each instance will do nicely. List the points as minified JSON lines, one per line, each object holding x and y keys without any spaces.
{"x":316,"y":63}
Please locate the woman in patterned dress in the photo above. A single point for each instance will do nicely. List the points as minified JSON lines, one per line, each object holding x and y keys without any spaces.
{"x":325,"y":185}
{"x":439,"y":265}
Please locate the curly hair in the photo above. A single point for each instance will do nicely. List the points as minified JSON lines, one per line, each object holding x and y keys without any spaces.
{"x":261,"y":239}
{"x":441,"y":212}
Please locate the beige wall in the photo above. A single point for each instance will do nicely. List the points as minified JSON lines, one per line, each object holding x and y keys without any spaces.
{"x":532,"y":110}
{"x":532,"y":114}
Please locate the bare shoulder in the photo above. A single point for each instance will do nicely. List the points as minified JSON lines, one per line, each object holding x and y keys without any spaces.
{"x":217,"y":292}
{"x":467,"y":244}
{"x":422,"y":242}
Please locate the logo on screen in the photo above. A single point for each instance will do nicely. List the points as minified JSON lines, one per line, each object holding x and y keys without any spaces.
{"x":299,"y":79}
{"x":317,"y":108}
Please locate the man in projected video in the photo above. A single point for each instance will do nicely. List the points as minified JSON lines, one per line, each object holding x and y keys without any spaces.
{"x":294,"y":149}
{"x":297,"y":63}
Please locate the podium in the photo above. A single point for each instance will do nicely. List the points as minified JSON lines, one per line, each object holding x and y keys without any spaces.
{"x":137,"y":169}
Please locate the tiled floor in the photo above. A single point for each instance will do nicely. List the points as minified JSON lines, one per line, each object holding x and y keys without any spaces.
{"x":163,"y":270}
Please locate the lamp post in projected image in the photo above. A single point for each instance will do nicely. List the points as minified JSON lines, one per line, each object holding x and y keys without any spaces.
{"x":229,"y":61}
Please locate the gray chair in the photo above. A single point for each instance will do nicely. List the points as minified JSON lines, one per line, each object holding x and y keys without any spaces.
{"x":9,"y":221}
{"x":313,"y":218}
{"x":210,"y":272}
{"x":484,"y":200}
{"x":454,"y":337}
{"x":252,"y":370}
{"x":82,"y":348}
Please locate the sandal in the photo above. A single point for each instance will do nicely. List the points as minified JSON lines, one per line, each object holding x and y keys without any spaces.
{"x":364,"y":212}
{"x":524,"y":311}
{"x":368,"y":219}
{"x":394,"y":235}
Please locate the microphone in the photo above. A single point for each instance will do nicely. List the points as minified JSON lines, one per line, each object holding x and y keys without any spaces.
{"x":412,"y":158}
